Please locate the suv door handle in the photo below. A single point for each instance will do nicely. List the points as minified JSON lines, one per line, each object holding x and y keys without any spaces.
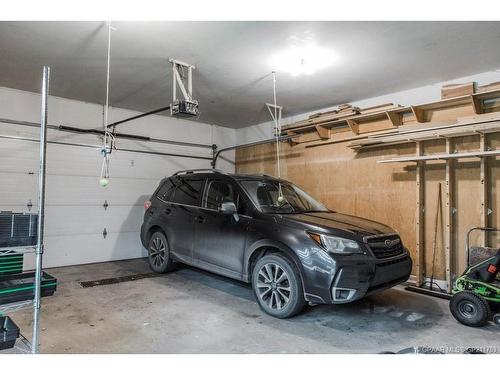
{"x":200,"y":219}
{"x":167,"y":211}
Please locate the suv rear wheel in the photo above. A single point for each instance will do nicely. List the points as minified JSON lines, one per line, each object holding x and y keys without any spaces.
{"x":159,"y":253}
{"x":277,"y":286}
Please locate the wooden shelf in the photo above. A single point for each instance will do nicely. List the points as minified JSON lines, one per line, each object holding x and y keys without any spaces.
{"x":446,"y":103}
{"x":478,"y":154}
{"x":329,"y":123}
{"x":446,"y":131}
{"x":492,"y":94}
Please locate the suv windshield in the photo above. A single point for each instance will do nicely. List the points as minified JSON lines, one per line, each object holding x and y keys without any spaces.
{"x":265,"y":195}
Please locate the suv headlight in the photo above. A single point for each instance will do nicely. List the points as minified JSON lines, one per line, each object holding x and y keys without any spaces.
{"x":336,"y":245}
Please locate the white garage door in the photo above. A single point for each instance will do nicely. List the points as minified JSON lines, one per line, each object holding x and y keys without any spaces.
{"x":75,"y":213}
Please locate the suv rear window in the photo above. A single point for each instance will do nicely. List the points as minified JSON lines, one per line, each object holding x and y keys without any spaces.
{"x":165,"y":190}
{"x":187,"y":191}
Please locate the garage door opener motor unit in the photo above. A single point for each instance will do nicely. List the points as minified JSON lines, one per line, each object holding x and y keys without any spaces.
{"x":182,"y":74}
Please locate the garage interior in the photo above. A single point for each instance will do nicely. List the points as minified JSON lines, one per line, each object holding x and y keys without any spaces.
{"x":396,"y":122}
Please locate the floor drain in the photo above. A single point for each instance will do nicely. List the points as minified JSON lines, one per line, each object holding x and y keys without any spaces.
{"x":117,"y":280}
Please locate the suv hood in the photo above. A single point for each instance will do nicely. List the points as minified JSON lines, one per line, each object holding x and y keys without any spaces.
{"x":336,"y":221}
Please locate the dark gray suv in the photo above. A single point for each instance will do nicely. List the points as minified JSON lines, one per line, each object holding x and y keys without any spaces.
{"x":268,"y":232}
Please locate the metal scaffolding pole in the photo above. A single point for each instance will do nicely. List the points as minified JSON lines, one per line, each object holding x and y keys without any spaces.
{"x":35,"y":344}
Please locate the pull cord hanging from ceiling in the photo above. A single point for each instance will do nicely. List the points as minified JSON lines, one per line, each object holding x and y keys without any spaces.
{"x":277,"y":134}
{"x":108,"y":138}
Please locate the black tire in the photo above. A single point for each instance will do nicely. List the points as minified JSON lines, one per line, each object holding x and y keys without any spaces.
{"x":159,"y":253}
{"x":277,"y":286}
{"x":470,"y":309}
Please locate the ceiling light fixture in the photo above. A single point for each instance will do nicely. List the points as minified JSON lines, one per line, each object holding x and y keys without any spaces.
{"x":304,"y":59}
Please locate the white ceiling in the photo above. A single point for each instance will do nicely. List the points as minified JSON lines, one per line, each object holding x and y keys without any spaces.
{"x":233,"y":80}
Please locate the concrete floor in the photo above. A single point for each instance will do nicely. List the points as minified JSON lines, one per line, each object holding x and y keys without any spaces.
{"x":191,"y":311}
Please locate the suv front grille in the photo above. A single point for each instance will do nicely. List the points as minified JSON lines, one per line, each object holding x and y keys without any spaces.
{"x":385,"y":246}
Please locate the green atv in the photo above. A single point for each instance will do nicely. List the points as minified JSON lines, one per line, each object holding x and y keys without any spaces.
{"x":477,"y":291}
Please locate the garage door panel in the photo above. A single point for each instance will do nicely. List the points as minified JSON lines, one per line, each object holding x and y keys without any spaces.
{"x":83,"y":249}
{"x":64,"y":190}
{"x":17,"y":189}
{"x":74,"y":220}
{"x":18,"y":156}
{"x":22,"y":156}
{"x":69,"y":220}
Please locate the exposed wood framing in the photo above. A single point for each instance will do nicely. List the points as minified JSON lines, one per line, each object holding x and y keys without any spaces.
{"x":449,"y":214}
{"x":484,"y":187}
{"x":394,"y":117}
{"x":476,"y":104}
{"x":419,"y":219}
{"x":324,"y":133}
{"x":293,"y":141}
{"x":353,"y":125}
{"x":418,"y":113}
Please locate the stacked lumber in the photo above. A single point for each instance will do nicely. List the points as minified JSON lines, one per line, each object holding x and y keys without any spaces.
{"x":470,"y":125}
{"x":469,"y":88}
{"x":347,"y":109}
{"x":458,"y":89}
{"x":339,"y":112}
{"x":379,"y":108}
{"x":490,"y":87}
{"x":343,"y":112}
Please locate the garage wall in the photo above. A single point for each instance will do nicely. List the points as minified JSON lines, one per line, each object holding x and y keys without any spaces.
{"x":75,"y":216}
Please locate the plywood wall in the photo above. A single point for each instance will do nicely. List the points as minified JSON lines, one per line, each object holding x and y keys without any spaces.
{"x":354,"y":183}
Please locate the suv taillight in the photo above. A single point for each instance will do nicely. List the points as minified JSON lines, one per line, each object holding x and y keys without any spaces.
{"x":147,"y":204}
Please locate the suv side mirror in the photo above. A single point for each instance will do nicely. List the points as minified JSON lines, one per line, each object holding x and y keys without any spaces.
{"x":229,"y":208}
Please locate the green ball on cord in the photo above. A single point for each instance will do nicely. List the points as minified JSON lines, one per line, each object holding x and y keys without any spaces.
{"x":104,"y":182}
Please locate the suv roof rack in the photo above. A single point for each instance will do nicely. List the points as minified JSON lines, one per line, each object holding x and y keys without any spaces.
{"x":258,"y":174}
{"x":190,"y":171}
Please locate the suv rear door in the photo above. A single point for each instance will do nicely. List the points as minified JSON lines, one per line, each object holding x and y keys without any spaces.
{"x":180,"y":211}
{"x":220,"y":240}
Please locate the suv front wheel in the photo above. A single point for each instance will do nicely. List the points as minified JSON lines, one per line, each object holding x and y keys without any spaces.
{"x":277,"y":286}
{"x":159,"y":253}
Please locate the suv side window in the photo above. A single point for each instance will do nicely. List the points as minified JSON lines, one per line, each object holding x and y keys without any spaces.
{"x":165,"y":190}
{"x":218,"y":192}
{"x":187,"y":191}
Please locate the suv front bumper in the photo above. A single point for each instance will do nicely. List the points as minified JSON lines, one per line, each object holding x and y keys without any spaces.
{"x":349,"y":278}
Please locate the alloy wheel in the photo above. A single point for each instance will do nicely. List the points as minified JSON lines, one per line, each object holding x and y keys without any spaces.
{"x":157,"y":252}
{"x":273,"y":286}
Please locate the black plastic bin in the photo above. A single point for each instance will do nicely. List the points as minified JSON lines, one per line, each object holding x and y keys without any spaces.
{"x":9,"y":333}
{"x":12,"y":263}
{"x":18,"y":229}
{"x":20,"y":287}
